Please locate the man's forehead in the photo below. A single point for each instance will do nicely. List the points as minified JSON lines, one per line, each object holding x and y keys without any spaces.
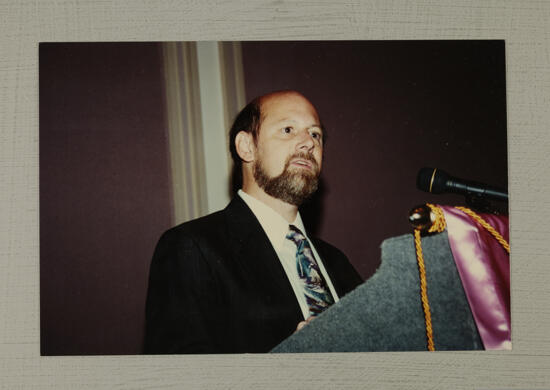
{"x":281,"y":96}
{"x":290,"y":100}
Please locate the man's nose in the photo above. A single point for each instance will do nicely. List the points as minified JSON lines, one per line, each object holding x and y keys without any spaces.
{"x":305,"y":141}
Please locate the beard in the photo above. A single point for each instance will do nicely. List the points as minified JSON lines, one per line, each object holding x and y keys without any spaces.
{"x":294,"y":185}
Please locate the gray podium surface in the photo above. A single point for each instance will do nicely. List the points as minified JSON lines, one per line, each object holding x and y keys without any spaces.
{"x":385,"y":312}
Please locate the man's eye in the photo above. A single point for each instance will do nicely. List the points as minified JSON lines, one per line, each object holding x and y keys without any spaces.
{"x":316,"y":135}
{"x":287,"y":130}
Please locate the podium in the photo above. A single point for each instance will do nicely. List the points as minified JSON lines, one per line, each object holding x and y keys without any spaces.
{"x":385,"y":312}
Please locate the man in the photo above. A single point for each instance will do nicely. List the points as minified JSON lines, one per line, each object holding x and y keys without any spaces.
{"x":245,"y":278}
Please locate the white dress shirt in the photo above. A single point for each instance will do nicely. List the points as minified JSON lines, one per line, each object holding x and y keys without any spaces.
{"x":276,"y":228}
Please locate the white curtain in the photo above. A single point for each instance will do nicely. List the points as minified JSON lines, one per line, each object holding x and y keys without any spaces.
{"x":204,"y":91}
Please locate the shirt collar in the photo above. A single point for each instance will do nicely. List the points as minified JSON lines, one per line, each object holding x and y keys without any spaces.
{"x":273,"y":223}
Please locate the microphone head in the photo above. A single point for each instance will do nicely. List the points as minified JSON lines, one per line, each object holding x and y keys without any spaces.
{"x":432,"y":180}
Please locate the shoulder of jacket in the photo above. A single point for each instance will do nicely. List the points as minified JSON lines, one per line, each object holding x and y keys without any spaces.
{"x":204,"y":226}
{"x":327,"y":248}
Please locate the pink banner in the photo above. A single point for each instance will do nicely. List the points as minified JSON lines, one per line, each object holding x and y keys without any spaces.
{"x":484,"y":268}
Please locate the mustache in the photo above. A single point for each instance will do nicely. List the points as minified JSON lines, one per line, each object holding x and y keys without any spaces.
{"x":304,"y":156}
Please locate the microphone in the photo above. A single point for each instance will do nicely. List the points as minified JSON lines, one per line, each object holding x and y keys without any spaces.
{"x":436,"y":181}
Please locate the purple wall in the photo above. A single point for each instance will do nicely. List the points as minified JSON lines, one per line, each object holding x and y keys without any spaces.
{"x":390,"y":108}
{"x":104,"y":193}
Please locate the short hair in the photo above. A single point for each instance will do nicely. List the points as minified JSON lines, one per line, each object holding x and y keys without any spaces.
{"x":249,"y":121}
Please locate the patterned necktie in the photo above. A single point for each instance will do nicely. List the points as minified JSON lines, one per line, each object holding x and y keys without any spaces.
{"x":318,"y":296}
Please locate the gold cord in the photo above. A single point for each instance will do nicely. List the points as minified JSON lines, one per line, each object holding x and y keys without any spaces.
{"x":437,"y":226}
{"x":424,"y":291}
{"x":488,"y":227}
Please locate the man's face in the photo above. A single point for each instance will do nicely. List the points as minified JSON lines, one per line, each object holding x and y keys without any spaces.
{"x":289,"y":149}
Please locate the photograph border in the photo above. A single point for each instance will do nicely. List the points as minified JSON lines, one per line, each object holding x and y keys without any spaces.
{"x":523,"y":25}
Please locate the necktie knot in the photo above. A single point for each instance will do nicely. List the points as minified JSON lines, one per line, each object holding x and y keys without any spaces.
{"x":295,"y":235}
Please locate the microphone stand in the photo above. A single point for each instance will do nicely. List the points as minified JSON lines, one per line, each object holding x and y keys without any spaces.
{"x":481,"y":204}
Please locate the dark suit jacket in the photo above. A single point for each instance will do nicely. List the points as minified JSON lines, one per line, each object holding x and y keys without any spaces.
{"x":216,"y":285}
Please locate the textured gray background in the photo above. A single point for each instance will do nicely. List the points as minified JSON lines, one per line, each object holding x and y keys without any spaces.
{"x":523,"y":24}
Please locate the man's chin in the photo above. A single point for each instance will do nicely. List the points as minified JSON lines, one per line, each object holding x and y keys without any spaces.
{"x":302,"y":188}
{"x":302,"y":173}
{"x":293,"y":186}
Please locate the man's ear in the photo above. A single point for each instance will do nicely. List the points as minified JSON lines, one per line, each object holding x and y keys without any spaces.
{"x":244,"y":143}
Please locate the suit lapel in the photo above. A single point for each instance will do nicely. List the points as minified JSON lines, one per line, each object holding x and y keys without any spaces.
{"x":255,"y":254}
{"x":342,"y":274}
{"x":329,"y":266}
